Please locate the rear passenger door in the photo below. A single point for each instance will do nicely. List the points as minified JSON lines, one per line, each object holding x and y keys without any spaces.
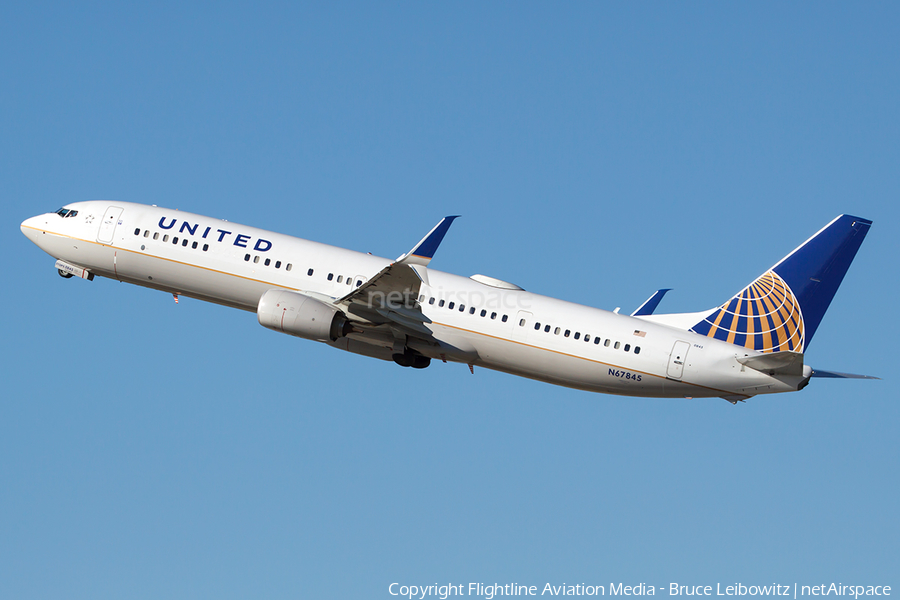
{"x":677,"y":359}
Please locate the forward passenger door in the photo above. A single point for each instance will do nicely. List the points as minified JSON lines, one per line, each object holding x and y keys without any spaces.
{"x":108,"y":225}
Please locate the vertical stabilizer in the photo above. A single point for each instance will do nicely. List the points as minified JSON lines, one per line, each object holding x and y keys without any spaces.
{"x":782,"y":309}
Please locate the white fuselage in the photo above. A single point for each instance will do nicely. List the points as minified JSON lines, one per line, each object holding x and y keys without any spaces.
{"x":510,"y":330}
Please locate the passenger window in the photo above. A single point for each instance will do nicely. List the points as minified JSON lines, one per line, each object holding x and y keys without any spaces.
{"x":431,"y":301}
{"x":556,"y":331}
{"x":521,"y":322}
{"x":205,"y":247}
{"x":606,"y":343}
{"x":255,"y":259}
{"x":567,"y":333}
{"x":156,"y":236}
{"x":637,"y":349}
{"x":246,"y":258}
{"x":577,"y":335}
{"x":146,"y":233}
{"x":136,"y":231}
{"x":616,"y":346}
{"x":288,"y":267}
{"x":587,"y":338}
{"x":627,"y":347}
{"x":596,"y":340}
{"x":277,"y":264}
{"x":451,"y":305}
{"x":194,"y":245}
{"x":358,"y":282}
{"x":330,"y":276}
{"x":472,"y":310}
{"x":310,"y":272}
{"x":505,"y":317}
{"x":340,"y":279}
{"x":184,"y":242}
{"x":483,"y":312}
{"x":441,"y":303}
{"x":421,"y":298}
{"x":462,"y":308}
{"x":537,"y":326}
{"x":166,"y":238}
{"x":175,"y":241}
{"x":349,"y":281}
{"x":546,"y":329}
{"x":494,"y":316}
{"x":268,"y":262}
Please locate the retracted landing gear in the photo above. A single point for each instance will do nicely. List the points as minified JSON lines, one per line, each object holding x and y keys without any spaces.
{"x":411,"y":358}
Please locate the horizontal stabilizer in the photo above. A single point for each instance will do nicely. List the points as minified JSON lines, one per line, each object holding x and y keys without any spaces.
{"x":650,"y":304}
{"x":776,"y":363}
{"x":836,"y":375}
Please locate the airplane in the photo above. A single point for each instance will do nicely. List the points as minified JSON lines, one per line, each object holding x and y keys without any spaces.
{"x":405,"y":312}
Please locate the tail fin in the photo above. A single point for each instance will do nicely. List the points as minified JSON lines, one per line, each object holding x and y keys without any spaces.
{"x":782,"y":309}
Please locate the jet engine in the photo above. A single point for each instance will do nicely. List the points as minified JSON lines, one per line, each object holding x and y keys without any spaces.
{"x":303,"y":316}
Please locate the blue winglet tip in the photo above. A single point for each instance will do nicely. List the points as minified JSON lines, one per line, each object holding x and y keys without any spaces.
{"x":430,"y":244}
{"x":651,"y":303}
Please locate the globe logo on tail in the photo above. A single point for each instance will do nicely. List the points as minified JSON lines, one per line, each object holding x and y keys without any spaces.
{"x":765,"y":316}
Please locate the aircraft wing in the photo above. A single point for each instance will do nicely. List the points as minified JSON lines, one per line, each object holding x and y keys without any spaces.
{"x":392,"y":295}
{"x":393,"y":291}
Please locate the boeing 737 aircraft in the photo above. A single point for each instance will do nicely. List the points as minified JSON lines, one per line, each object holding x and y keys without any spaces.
{"x":405,"y":312}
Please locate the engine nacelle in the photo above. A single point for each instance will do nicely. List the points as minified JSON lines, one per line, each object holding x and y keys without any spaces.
{"x":300,"y":315}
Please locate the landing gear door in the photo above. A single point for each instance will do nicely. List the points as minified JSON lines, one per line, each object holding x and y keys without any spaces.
{"x":108,"y":225}
{"x":677,"y":359}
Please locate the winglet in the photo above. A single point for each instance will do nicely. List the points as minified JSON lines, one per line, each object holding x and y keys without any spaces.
{"x":424,"y":251}
{"x":651,"y":303}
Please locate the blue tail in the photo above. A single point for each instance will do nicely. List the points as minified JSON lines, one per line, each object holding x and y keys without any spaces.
{"x":783,"y":308}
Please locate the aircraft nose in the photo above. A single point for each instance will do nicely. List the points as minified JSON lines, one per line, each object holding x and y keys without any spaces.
{"x":31,"y":227}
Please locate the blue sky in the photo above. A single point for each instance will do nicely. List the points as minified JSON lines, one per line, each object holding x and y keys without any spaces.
{"x":596,"y":151}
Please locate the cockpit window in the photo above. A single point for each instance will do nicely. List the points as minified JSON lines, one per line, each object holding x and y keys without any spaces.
{"x":65,"y":213}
